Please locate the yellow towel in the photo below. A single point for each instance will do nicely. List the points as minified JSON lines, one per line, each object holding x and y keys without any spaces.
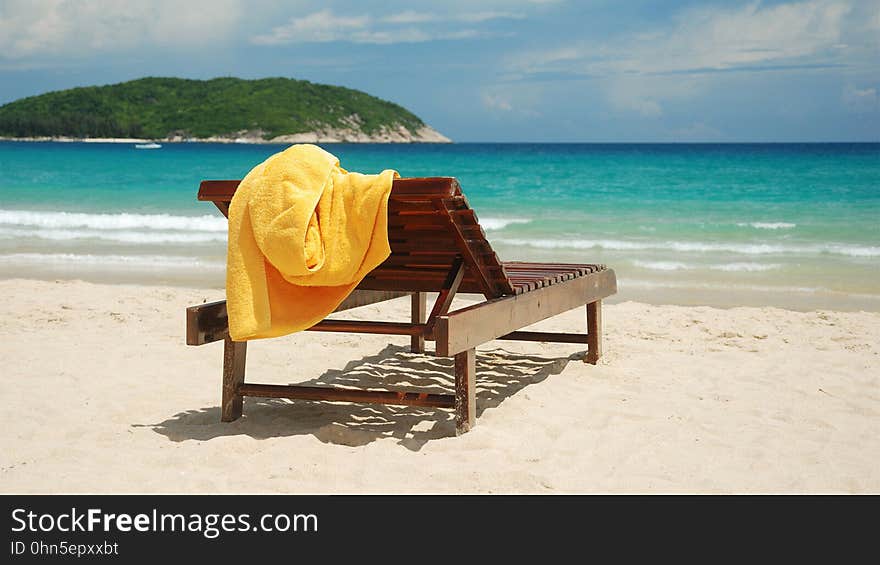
{"x":303,"y":232}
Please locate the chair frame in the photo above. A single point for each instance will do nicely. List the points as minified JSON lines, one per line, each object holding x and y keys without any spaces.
{"x":508,"y":308}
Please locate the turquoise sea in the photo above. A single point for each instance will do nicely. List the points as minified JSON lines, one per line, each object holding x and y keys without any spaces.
{"x":790,"y":225}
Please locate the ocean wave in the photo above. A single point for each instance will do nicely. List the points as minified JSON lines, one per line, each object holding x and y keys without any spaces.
{"x":727,"y":267}
{"x":109,"y":260}
{"x":697,"y":246}
{"x":117,"y":236}
{"x":123,"y":221}
{"x":745,"y":267}
{"x":643,"y":284}
{"x":126,"y":221}
{"x":663,"y":265}
{"x":734,"y":287}
{"x":501,"y":223}
{"x":767,"y":225}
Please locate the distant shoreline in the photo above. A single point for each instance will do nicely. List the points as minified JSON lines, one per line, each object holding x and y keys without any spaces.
{"x":245,"y":141}
{"x":78,"y":140}
{"x":424,"y":135}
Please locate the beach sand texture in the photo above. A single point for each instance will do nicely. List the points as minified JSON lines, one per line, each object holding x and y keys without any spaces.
{"x":102,"y":395}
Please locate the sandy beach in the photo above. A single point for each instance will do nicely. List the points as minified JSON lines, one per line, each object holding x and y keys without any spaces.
{"x":102,"y":395}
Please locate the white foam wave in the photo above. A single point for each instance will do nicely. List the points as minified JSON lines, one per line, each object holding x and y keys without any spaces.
{"x":109,"y":260}
{"x":745,"y":267}
{"x":643,"y":284}
{"x":662,"y":265}
{"x":697,"y":246}
{"x":767,"y":225}
{"x":687,"y":285}
{"x":727,"y":267}
{"x":124,"y":221}
{"x":118,"y":236}
{"x":501,"y":223}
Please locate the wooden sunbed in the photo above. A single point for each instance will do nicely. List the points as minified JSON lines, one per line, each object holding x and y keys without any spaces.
{"x":437,"y":245}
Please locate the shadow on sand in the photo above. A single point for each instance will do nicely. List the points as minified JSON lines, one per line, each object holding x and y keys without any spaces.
{"x":500,"y":375}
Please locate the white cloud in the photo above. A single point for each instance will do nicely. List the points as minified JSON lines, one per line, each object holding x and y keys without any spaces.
{"x":720,"y":39}
{"x":318,"y":27}
{"x":862,"y":93}
{"x":860,"y":99}
{"x":324,"y":27}
{"x":33,"y":32}
{"x":413,"y":17}
{"x":640,"y":71}
{"x":410,"y":17}
{"x":496,"y":102}
{"x":708,"y":39}
{"x":477,"y":17}
{"x":525,"y":102}
{"x":32,"y":29}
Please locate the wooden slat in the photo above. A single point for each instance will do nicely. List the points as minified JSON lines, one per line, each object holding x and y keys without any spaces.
{"x":441,"y":259}
{"x":434,"y":254}
{"x":401,"y":194}
{"x":410,"y":273}
{"x":407,"y":261}
{"x":417,"y":285}
{"x":365,"y":327}
{"x":408,"y":209}
{"x":433,"y":186}
{"x":404,"y":261}
{"x":464,"y":218}
{"x":418,"y":244}
{"x":531,"y":264}
{"x":473,"y":232}
{"x":217,"y":190}
{"x":414,"y":222}
{"x":527,"y":277}
{"x":360,"y":298}
{"x":348,"y":395}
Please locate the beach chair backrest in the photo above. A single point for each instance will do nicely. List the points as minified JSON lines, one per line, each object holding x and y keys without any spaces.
{"x":430,"y":224}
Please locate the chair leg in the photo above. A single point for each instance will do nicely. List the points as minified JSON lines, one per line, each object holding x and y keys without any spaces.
{"x":233,"y":377}
{"x":465,"y":391}
{"x":594,"y":332}
{"x":419,"y":316}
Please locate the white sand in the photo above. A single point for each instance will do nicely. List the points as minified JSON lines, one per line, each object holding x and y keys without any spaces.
{"x":101,"y":395}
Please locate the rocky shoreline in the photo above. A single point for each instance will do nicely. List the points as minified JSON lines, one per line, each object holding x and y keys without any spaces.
{"x":400,"y":134}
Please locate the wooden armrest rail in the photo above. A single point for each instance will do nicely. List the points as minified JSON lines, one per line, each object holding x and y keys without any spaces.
{"x":473,"y":326}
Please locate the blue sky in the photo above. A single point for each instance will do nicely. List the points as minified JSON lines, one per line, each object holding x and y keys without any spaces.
{"x":483,"y":70}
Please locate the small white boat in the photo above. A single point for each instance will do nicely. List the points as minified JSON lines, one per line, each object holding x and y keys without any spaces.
{"x":147,"y":146}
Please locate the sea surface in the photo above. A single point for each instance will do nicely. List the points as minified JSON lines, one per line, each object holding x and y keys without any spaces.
{"x":789,"y":225}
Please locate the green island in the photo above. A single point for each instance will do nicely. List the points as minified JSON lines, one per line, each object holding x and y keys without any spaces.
{"x":220,"y":109}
